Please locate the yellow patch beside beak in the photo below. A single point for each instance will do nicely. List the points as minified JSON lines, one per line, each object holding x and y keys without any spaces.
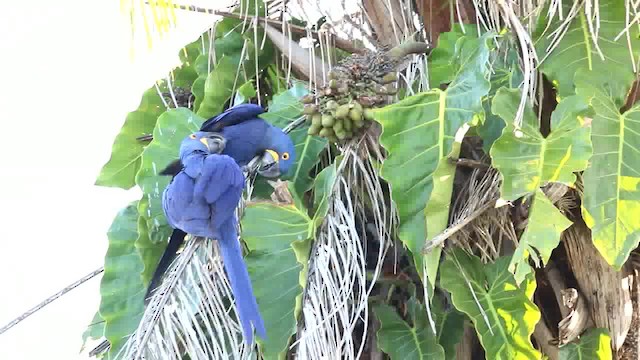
{"x":274,"y":155}
{"x":204,"y":141}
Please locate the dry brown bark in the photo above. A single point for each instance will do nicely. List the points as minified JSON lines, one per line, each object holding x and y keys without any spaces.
{"x":383,"y":19}
{"x":437,"y":15}
{"x":607,"y":291}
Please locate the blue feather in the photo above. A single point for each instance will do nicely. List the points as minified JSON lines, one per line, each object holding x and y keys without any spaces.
{"x":202,"y":198}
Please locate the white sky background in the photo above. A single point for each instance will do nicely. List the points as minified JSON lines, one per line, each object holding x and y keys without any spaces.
{"x":67,"y":84}
{"x":66,"y":87}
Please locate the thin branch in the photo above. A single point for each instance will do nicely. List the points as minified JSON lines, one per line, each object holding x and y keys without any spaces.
{"x":340,"y":43}
{"x":51,"y":299}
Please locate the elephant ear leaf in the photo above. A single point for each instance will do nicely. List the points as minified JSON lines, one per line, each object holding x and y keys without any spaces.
{"x":611,"y":201}
{"x":403,"y":340}
{"x":419,"y":131}
{"x":121,"y":289}
{"x":126,"y":154}
{"x":594,"y":344}
{"x":502,"y":313}
{"x":278,"y":238}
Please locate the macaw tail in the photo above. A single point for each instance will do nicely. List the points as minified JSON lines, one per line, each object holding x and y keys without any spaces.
{"x":248,"y":311}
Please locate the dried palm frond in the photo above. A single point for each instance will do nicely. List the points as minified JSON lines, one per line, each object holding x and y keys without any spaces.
{"x":476,"y":224}
{"x":335,"y":300}
{"x":190,"y":313}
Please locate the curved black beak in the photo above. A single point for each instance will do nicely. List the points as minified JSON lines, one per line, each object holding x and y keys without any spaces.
{"x":269,"y":165}
{"x":214,"y":142}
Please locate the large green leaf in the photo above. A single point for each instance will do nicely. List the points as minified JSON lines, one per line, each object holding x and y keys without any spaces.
{"x":442,"y":70}
{"x":526,"y":159}
{"x":546,"y":224}
{"x":95,"y":330}
{"x":150,"y":252}
{"x":611,"y":201}
{"x":437,"y":215}
{"x":502,"y":313}
{"x":506,"y":73}
{"x":449,"y":328}
{"x":226,"y":44}
{"x":219,"y":86}
{"x":419,"y":131}
{"x":285,"y":108}
{"x":322,"y":188}
{"x":577,"y":50}
{"x":278,"y":240}
{"x":120,"y":170}
{"x":595,"y":344}
{"x":404,"y":341}
{"x":121,"y":288}
{"x":172,"y":127}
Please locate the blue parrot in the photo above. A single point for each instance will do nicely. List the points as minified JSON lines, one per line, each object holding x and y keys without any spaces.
{"x":202,"y":197}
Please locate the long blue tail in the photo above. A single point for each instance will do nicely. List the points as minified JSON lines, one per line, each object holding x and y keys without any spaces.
{"x":246,"y":304}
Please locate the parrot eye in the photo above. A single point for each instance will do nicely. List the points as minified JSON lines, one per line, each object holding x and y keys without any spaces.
{"x":285,"y":156}
{"x":192,"y":136}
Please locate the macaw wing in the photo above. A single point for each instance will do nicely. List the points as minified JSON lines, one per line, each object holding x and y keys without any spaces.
{"x":220,"y":184}
{"x":232,"y":116}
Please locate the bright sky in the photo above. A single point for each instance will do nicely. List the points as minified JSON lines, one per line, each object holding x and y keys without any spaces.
{"x":67,"y":84}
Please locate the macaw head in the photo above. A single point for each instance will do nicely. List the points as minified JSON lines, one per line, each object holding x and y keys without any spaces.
{"x":279,"y":155}
{"x":201,"y":141}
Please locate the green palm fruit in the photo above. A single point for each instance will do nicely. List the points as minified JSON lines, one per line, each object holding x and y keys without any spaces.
{"x":355,"y":114}
{"x":326,"y":132}
{"x":331,"y":105}
{"x":316,"y":119}
{"x":338,"y":125}
{"x":343,"y":111}
{"x":328,"y":120}
{"x":314,"y":129}
{"x":341,"y":135}
{"x":348,"y":124}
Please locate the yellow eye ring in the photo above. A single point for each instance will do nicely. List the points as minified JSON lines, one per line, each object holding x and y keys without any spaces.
{"x":192,"y":136}
{"x":285,"y":156}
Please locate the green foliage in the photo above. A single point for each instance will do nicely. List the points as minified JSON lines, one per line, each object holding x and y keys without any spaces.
{"x":612,"y":196}
{"x":526,"y":159}
{"x":474,"y":86}
{"x":426,"y":133}
{"x":546,"y":223}
{"x":402,"y":340}
{"x":95,"y":330}
{"x":576,"y":51}
{"x":502,"y":313}
{"x":121,"y":288}
{"x":506,"y":74}
{"x":218,"y":87}
{"x":594,"y":344}
{"x":150,"y":252}
{"x":122,"y":167}
{"x":449,"y":328}
{"x":278,"y":238}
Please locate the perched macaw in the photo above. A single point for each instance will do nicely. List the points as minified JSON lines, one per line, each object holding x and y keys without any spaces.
{"x":201,"y":199}
{"x":244,"y":142}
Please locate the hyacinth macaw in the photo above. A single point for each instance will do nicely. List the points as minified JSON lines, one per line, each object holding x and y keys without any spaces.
{"x":201,"y":199}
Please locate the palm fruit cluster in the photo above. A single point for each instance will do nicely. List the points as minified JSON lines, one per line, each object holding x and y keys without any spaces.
{"x":342,"y":108}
